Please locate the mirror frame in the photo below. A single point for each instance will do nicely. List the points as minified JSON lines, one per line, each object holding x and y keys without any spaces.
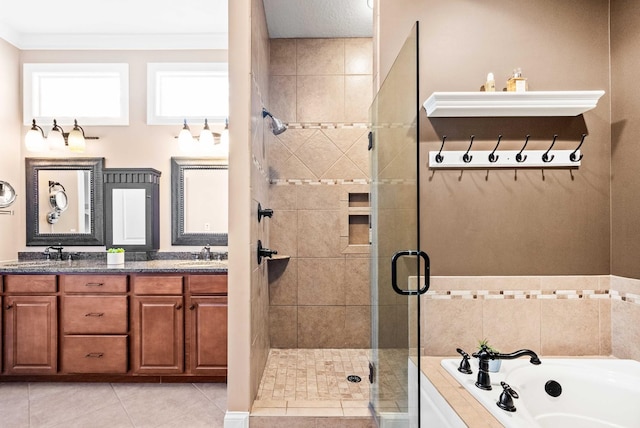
{"x":32,"y":168}
{"x":178,"y":236}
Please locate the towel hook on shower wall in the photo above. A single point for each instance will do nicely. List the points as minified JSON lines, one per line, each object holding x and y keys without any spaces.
{"x":466,"y":157}
{"x":492,"y":156}
{"x":572,"y":156}
{"x":545,"y":156}
{"x":439,"y":157}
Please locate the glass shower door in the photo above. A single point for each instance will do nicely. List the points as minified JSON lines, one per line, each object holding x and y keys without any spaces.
{"x":396,"y":261}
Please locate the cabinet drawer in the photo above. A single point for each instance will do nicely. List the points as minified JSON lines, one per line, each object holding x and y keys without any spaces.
{"x":157,"y":284}
{"x":30,"y":284}
{"x":94,"y":354}
{"x":94,"y":283}
{"x":95,"y":314}
{"x":208,"y":284}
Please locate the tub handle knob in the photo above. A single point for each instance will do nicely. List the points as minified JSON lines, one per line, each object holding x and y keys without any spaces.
{"x":464,"y":363}
{"x":505,"y":402}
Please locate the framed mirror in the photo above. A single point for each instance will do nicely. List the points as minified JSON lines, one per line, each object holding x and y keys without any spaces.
{"x":199,"y":201}
{"x":64,"y":201}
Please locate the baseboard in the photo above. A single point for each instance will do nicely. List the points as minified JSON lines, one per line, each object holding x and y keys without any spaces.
{"x":236,"y":419}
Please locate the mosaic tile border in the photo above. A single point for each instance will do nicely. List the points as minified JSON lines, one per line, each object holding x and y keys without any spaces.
{"x":532,"y":294}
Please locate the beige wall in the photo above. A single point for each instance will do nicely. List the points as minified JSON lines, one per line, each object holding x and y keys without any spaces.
{"x":319,"y":298}
{"x":625,"y":129}
{"x":625,"y":184}
{"x":557,"y":229}
{"x":136,"y":145}
{"x":11,"y":226}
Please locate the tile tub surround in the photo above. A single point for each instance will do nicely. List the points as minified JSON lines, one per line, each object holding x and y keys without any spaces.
{"x":525,"y":312}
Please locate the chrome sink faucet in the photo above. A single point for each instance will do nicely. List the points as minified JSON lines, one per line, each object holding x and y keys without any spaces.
{"x":205,"y":253}
{"x":484,"y":355}
{"x":58,"y":249}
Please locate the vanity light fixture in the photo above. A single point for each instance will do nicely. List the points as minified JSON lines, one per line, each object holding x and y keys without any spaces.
{"x":57,"y":139}
{"x":206,"y":141}
{"x":185,"y":139}
{"x":34,"y":140}
{"x":206,"y":137}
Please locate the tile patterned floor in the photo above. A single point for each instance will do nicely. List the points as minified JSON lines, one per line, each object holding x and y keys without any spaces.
{"x":315,"y":374}
{"x":39,"y":405}
{"x":313,"y":382}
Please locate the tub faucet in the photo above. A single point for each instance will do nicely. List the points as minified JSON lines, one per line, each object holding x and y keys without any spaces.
{"x":484,"y":355}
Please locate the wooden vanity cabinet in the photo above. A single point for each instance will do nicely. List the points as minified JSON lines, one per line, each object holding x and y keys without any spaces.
{"x":158,"y":324}
{"x":30,"y":324}
{"x":95,"y":324}
{"x":207,"y":324}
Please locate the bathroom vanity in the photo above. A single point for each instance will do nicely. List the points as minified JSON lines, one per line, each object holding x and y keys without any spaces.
{"x":152,"y":321}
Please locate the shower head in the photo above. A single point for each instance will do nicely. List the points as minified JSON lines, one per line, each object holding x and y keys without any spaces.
{"x":277,"y":127}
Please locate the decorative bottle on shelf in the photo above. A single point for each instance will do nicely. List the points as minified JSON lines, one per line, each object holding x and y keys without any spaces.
{"x":516,"y":82}
{"x":490,"y":85}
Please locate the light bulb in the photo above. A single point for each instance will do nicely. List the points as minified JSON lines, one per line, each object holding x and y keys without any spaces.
{"x":55,"y":138}
{"x":206,"y":138}
{"x":76,"y":139}
{"x":34,"y":140}
{"x":185,"y":139}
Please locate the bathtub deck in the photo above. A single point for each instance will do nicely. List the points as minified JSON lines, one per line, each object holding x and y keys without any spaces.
{"x":473,"y":414}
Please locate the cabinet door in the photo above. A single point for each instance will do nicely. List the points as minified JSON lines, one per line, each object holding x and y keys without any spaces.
{"x":30,"y":336}
{"x":208,"y":335}
{"x":158,"y":334}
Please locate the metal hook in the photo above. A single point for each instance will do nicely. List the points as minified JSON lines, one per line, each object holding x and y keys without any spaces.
{"x":466,"y":158}
{"x":545,"y":156}
{"x":519,"y":157}
{"x":492,"y":156}
{"x":572,"y":156}
{"x":439,"y":157}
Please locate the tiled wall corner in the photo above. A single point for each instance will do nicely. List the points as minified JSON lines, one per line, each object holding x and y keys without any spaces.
{"x":625,"y":317}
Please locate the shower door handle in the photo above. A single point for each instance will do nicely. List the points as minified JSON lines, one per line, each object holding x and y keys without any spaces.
{"x":394,"y":272}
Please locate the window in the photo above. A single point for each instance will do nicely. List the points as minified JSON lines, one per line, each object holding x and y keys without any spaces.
{"x":94,"y":94}
{"x":192,"y":91}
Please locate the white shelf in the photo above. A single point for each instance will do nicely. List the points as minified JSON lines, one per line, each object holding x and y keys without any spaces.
{"x":511,"y":104}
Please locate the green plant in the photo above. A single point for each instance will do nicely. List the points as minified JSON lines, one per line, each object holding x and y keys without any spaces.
{"x":115,"y":250}
{"x":485,"y":342}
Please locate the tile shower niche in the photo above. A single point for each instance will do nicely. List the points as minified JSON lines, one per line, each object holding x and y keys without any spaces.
{"x":356,"y":217}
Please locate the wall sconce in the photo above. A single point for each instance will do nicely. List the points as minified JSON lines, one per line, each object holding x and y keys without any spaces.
{"x":206,"y":141}
{"x":57,"y":139}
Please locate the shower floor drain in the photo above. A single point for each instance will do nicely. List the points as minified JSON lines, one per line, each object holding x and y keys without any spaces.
{"x":354,"y":378}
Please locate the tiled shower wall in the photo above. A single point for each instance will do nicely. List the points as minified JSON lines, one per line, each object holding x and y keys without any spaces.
{"x":319,"y":297}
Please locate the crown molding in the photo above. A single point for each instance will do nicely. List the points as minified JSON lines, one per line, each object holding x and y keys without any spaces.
{"x":114,"y":41}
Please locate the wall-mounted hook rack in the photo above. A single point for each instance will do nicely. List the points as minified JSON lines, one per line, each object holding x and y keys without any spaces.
{"x":484,"y":159}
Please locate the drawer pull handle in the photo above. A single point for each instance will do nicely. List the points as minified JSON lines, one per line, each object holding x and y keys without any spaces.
{"x":178,"y":306}
{"x":192,"y":307}
{"x":95,"y":355}
{"x":9,"y":306}
{"x":94,"y":284}
{"x":94,"y":314}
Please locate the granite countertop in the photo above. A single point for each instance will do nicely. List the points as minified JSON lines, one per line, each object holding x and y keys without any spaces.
{"x":100,"y":266}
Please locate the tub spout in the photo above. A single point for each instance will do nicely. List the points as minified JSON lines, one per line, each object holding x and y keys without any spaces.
{"x":521,"y":353}
{"x":484,"y":355}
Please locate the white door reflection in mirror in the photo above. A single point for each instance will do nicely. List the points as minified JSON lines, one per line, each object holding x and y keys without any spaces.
{"x":129,"y":216}
{"x":204,"y":189}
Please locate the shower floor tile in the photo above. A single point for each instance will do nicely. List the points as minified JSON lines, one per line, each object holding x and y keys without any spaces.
{"x":315,"y":375}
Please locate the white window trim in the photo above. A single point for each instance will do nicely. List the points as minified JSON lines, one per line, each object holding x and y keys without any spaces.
{"x":29,"y":70}
{"x":220,"y":68}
